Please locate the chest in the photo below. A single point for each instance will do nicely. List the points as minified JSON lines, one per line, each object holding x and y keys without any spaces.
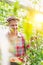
{"x":15,"y":41}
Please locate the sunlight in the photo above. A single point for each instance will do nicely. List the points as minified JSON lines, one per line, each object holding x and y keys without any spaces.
{"x":38,"y":18}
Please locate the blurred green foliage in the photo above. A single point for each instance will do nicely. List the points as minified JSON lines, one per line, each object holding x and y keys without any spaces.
{"x":26,"y":26}
{"x":5,"y":11}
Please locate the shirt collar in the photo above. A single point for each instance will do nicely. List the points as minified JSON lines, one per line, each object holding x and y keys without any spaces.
{"x":19,"y":34}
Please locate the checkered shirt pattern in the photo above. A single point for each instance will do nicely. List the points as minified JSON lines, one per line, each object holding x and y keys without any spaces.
{"x":18,"y":48}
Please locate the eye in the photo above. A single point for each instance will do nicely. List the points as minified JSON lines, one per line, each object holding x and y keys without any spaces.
{"x":15,"y":24}
{"x":12,"y":25}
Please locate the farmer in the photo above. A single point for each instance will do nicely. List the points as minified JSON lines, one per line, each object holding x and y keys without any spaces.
{"x":17,"y":42}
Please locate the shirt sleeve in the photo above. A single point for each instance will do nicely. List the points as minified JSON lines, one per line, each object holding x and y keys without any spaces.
{"x":23,"y":40}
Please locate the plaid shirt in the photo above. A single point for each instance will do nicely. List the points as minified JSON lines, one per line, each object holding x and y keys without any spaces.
{"x":18,"y":46}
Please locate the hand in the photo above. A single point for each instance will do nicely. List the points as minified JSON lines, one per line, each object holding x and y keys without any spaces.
{"x":15,"y":59}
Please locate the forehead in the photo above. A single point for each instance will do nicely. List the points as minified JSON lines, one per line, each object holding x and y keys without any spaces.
{"x":13,"y":21}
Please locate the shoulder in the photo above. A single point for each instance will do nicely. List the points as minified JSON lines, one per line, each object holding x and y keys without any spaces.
{"x":20,"y":34}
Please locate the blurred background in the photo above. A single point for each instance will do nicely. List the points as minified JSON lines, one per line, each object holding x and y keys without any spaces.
{"x":30,"y":13}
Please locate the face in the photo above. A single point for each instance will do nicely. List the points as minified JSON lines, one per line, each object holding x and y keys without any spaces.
{"x":13,"y":24}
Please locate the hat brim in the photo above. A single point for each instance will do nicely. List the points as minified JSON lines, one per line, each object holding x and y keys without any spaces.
{"x":12,"y":18}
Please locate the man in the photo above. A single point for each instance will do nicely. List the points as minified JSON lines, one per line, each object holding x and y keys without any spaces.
{"x":17,"y":42}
